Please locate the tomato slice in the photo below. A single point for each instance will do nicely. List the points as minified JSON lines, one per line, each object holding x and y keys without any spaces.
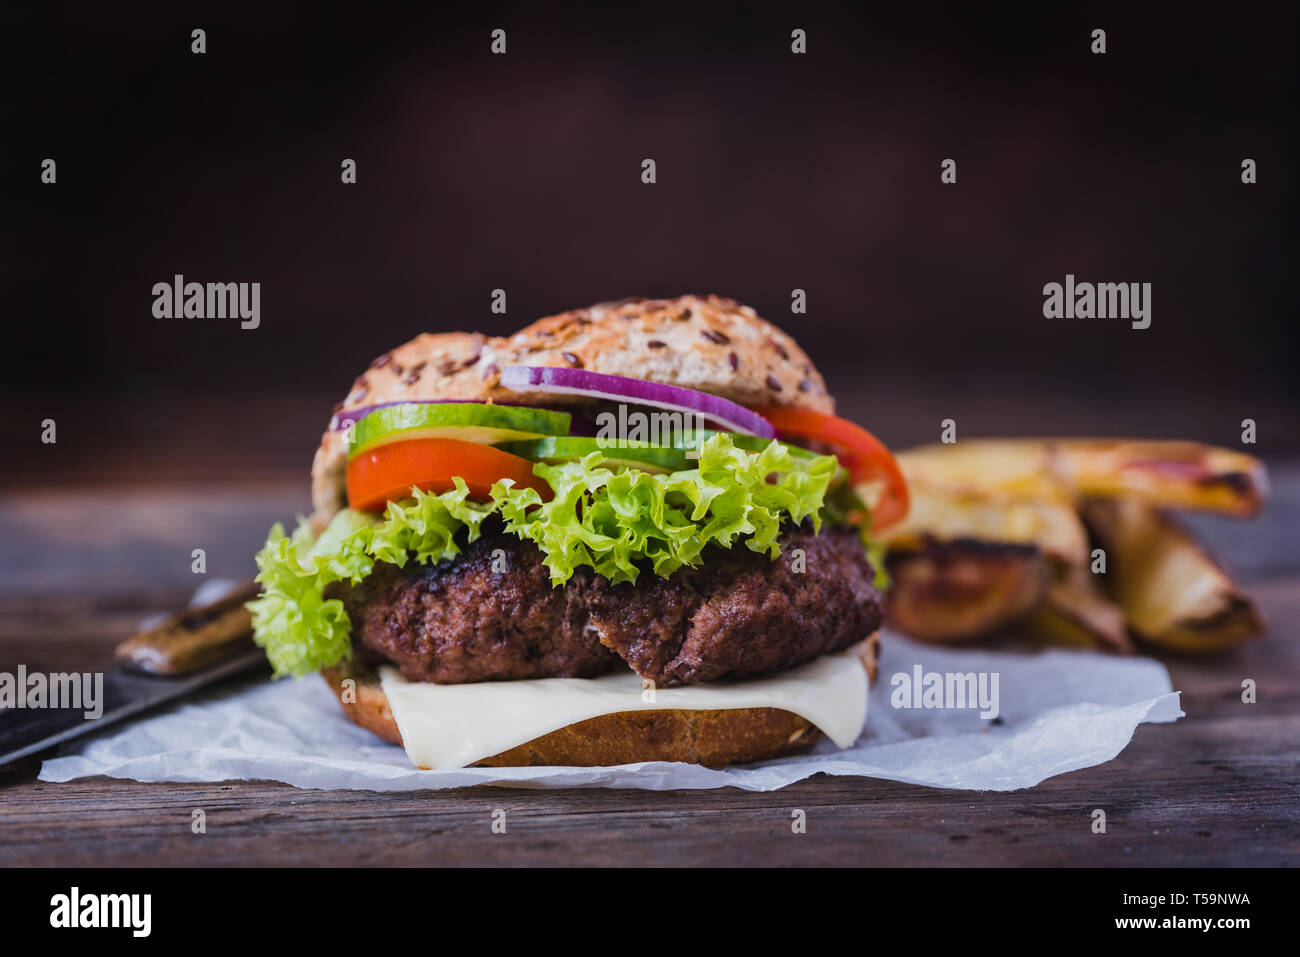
{"x":864,"y":455}
{"x":387,"y":473}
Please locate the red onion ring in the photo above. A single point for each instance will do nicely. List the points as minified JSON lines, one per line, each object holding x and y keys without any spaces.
{"x":598,"y":385}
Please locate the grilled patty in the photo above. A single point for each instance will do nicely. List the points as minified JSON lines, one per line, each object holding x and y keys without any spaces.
{"x":740,"y":613}
{"x":489,"y":614}
{"x":492,"y":613}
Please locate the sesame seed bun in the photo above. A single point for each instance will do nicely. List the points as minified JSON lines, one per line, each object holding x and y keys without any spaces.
{"x":705,"y":343}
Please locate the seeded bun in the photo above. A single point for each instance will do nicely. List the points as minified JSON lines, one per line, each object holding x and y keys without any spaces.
{"x":710,"y":738}
{"x":706,"y":343}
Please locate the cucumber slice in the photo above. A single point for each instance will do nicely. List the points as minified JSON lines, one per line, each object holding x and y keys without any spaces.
{"x":644,"y":456}
{"x":467,"y":421}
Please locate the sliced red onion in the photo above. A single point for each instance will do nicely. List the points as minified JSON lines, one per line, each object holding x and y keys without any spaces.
{"x":617,"y":388}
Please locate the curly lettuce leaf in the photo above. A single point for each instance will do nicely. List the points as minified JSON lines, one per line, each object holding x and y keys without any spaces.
{"x":425,"y":527}
{"x":298,"y":627}
{"x":614,"y":522}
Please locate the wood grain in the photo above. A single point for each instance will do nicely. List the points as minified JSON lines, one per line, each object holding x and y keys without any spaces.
{"x":1220,"y":787}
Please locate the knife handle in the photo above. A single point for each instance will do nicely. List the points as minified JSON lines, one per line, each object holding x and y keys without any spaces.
{"x":194,"y":637}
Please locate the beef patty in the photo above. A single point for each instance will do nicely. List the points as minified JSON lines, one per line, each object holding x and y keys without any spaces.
{"x":492,"y":613}
{"x":741,"y":613}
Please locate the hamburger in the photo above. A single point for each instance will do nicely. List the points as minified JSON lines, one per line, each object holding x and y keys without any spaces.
{"x":631,"y":532}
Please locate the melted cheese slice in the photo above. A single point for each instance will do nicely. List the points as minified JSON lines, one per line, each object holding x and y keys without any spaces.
{"x":452,"y":726}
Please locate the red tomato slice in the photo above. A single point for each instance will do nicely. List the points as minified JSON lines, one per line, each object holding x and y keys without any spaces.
{"x":865,"y":457}
{"x":387,"y":473}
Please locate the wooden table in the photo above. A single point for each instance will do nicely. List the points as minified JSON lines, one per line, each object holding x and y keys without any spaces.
{"x":79,"y":568}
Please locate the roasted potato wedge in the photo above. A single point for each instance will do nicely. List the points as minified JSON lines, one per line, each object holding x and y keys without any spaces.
{"x":1178,"y":475}
{"x":1076,"y":614}
{"x":957,"y":575}
{"x":1021,"y":468}
{"x":1172,"y":592}
{"x":1052,"y":525}
{"x":950,"y":591}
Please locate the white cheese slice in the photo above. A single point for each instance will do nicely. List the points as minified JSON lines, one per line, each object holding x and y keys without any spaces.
{"x":452,"y":726}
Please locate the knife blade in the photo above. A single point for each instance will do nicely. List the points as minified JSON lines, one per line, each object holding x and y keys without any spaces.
{"x":191,"y":650}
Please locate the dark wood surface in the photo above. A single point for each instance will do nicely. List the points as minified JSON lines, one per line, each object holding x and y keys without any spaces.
{"x":79,"y":568}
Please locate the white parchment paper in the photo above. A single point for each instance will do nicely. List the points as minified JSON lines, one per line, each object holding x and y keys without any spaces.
{"x":1059,"y":711}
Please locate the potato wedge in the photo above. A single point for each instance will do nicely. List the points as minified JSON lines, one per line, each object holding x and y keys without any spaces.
{"x":1023,"y":468}
{"x":951,"y":591}
{"x":1179,"y":475}
{"x":1172,"y":592}
{"x":1176,"y":475}
{"x":1076,"y":614}
{"x":1052,"y":525}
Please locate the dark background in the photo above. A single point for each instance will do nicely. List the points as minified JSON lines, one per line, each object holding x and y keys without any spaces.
{"x":522,"y":171}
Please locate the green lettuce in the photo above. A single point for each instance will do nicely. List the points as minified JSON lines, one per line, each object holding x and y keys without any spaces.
{"x":617,"y":523}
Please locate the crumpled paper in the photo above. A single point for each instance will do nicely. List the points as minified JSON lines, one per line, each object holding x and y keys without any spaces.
{"x":1059,"y":711}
